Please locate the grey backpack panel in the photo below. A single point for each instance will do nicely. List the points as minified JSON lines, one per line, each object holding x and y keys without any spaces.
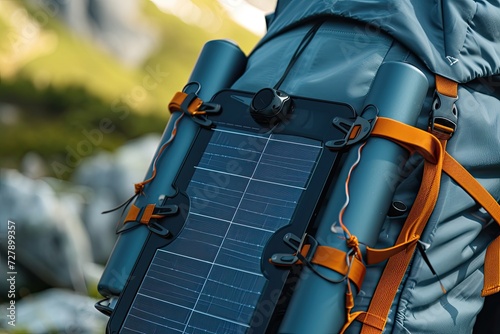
{"x":321,"y":70}
{"x":457,"y":39}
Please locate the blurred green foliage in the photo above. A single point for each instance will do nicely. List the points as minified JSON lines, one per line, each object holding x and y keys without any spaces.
{"x":66,"y":90}
{"x":55,"y":118}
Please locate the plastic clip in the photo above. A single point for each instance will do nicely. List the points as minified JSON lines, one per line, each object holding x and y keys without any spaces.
{"x":205,"y":108}
{"x":158,"y":229}
{"x":210,"y":108}
{"x":161,"y":211}
{"x":166,"y":210}
{"x":106,"y":306}
{"x":296,"y":243}
{"x":356,"y":131}
{"x":444,"y":116}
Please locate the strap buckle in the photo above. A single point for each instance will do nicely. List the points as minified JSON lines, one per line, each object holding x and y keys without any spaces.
{"x":148,"y":216}
{"x":296,"y":243}
{"x":356,"y":131}
{"x":444,"y":116}
{"x":200,"y":115}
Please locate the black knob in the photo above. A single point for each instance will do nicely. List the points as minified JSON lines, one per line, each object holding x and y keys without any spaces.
{"x":270,"y":106}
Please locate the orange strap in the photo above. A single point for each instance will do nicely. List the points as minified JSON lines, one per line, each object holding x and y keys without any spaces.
{"x":135,"y":215}
{"x":424,"y":143}
{"x":484,"y":198}
{"x":421,"y":142}
{"x":465,"y":180}
{"x":401,"y":133}
{"x":193,"y":108}
{"x":446,"y":86}
{"x":491,"y":269}
{"x":397,"y":264}
{"x":335,"y":260}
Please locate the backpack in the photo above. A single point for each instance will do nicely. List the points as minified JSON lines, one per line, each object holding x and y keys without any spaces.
{"x":449,"y":230}
{"x":448,"y":253}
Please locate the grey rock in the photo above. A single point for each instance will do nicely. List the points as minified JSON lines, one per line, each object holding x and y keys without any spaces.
{"x":50,"y":239}
{"x":56,"y":311}
{"x":110,"y":178}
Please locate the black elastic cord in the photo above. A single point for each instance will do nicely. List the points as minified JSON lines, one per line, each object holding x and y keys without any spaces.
{"x":302,"y":46}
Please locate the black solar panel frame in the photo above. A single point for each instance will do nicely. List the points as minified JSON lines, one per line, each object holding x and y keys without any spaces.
{"x":310,"y":118}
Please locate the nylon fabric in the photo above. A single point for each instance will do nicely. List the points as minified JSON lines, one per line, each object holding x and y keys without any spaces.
{"x":455,"y":38}
{"x":320,"y":72}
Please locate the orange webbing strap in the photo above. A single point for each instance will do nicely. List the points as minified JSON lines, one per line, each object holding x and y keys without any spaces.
{"x":193,"y":108}
{"x":132,"y":214}
{"x":336,"y":260}
{"x":491,"y":269}
{"x":428,"y":146}
{"x":397,"y":264}
{"x":375,"y":318}
{"x":415,"y":140}
{"x":465,"y":180}
{"x":424,"y":143}
{"x":446,"y":86}
{"x":144,"y":216}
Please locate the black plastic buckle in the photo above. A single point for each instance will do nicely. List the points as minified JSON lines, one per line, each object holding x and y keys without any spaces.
{"x":356,"y":131}
{"x":296,"y":243}
{"x":444,"y":116}
{"x":206,"y":107}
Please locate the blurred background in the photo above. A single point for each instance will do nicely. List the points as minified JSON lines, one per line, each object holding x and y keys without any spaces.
{"x":84,"y":86}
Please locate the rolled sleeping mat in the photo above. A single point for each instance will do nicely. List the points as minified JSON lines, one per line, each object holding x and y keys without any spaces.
{"x":219,"y":64}
{"x":317,"y":305}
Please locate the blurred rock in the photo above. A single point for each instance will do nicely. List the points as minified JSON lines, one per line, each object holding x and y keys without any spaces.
{"x":59,"y":226}
{"x":110,"y":178}
{"x":33,"y":165}
{"x":56,"y":311}
{"x":60,"y":231}
{"x":50,"y":238}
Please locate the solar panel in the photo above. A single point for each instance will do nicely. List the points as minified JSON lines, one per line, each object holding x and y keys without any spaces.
{"x":245,"y":187}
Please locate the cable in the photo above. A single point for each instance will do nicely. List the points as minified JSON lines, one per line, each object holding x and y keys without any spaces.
{"x":302,"y":46}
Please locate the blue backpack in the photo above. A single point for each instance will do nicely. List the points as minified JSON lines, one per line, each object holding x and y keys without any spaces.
{"x":396,"y":242}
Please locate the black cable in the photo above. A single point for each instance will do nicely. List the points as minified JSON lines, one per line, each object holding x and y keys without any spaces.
{"x":302,"y":46}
